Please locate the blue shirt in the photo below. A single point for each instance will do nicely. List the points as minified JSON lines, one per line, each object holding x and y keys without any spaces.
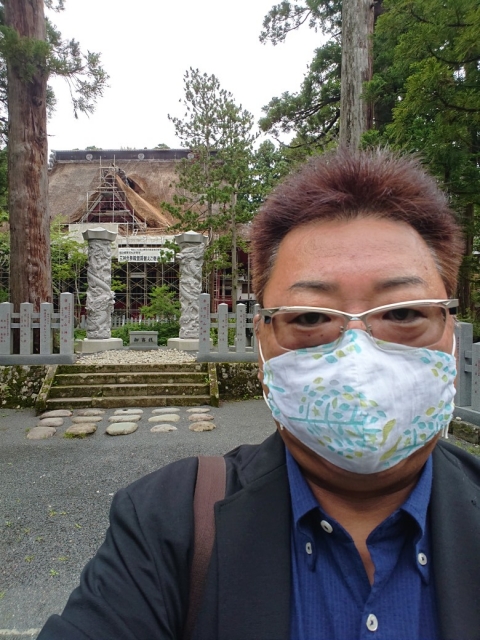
{"x":332,"y":598}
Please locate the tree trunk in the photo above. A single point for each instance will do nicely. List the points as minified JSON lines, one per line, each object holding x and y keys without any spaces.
{"x":30,"y":266}
{"x":357,"y":31}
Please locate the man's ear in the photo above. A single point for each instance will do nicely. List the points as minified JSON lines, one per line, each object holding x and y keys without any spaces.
{"x":256,"y":323}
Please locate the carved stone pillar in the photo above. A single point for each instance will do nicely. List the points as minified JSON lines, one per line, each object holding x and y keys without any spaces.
{"x":190,"y":257}
{"x":100,"y":298}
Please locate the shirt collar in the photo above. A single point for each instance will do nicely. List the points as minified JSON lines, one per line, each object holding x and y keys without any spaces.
{"x":303,"y":500}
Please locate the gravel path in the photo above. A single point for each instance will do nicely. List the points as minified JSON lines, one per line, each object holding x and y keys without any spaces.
{"x":130,"y":356}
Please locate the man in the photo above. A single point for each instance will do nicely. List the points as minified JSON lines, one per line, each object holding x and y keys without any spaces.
{"x":353,"y":520}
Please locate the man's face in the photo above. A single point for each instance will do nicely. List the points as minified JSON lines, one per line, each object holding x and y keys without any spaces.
{"x":353,"y":267}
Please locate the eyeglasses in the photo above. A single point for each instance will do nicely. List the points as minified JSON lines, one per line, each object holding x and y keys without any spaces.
{"x":417,"y":323}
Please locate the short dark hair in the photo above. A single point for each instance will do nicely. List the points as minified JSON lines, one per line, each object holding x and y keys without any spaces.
{"x":346,"y":184}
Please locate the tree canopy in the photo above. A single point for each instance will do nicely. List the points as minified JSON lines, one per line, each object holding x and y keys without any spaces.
{"x":82,"y":71}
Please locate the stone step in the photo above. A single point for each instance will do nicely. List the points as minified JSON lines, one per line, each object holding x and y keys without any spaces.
{"x":132,"y":368}
{"x":120,"y":390}
{"x":139,"y":377}
{"x":105,"y":402}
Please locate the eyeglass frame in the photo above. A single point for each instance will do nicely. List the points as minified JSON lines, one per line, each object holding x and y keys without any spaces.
{"x":450,"y":304}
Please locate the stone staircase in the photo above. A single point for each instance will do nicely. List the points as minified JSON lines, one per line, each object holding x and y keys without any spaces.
{"x":129,"y":385}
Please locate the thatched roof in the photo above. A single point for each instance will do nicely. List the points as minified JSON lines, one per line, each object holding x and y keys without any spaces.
{"x":72,"y":176}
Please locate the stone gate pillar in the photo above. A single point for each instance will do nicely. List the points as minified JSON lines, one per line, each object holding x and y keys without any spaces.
{"x":100,"y":298}
{"x":190,"y":257}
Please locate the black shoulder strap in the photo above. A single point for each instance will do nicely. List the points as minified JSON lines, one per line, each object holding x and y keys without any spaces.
{"x":209,"y":489}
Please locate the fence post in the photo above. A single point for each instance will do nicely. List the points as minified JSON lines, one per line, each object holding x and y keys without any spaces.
{"x":256,"y":310}
{"x":46,"y":343}
{"x":464,"y":336}
{"x":66,"y":323}
{"x":26,"y":335}
{"x":204,"y":323}
{"x":222,"y":322}
{"x":241,"y":322}
{"x":6,"y":342}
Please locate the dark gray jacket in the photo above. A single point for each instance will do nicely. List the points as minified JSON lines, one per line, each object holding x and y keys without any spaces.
{"x":136,"y":587}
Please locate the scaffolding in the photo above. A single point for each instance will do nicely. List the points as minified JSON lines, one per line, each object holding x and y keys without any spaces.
{"x":108,"y":203}
{"x":137,"y":281}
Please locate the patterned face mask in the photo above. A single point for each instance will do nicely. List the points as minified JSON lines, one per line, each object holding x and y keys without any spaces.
{"x":361,"y":407}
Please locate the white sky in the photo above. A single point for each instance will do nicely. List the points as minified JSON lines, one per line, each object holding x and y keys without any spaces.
{"x":146,"y":47}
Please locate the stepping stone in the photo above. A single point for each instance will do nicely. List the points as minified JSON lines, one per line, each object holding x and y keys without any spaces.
{"x":199,"y":410}
{"x":127,"y":412}
{"x":86,"y":419}
{"x":57,"y":413}
{"x":167,"y":417}
{"x":163,"y":428}
{"x":202,"y":426}
{"x":80,"y":430}
{"x":166,"y":410}
{"x":91,"y":412}
{"x":200,"y":417}
{"x":50,"y":422}
{"x":40,"y":433}
{"x":121,"y":428}
{"x":130,"y":418}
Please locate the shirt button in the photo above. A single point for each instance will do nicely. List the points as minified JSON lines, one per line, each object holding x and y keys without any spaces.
{"x":422,"y":559}
{"x":372,"y":622}
{"x":308,"y":548}
{"x":326,"y":526}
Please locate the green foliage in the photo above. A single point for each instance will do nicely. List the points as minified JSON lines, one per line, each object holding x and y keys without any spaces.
{"x":165,"y":330}
{"x":79,"y":334}
{"x":218,"y":133}
{"x":426,"y":91}
{"x":25,"y":55}
{"x":312,"y":114}
{"x":86,"y":78}
{"x":324,"y":15}
{"x":69,"y":259}
{"x":163,"y":305}
{"x":214,"y":184}
{"x":232,"y":332}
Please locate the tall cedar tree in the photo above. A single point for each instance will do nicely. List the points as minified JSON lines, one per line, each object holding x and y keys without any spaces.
{"x":27,"y":74}
{"x":312,"y":114}
{"x":30,"y":50}
{"x":427,"y":86}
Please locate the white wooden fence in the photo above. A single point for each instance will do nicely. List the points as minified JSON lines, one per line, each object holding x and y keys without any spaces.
{"x":467,"y":398}
{"x":244,"y":348}
{"x":47,"y":322}
{"x":121,"y":321}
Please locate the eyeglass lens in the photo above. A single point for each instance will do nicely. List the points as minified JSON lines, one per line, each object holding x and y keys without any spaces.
{"x":416,"y":326}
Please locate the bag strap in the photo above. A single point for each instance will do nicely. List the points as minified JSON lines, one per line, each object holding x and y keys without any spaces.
{"x":209,"y":489}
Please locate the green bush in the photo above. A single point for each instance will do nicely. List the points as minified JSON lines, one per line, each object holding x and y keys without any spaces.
{"x":231,"y":333}
{"x":163,"y":305}
{"x":165,"y":331}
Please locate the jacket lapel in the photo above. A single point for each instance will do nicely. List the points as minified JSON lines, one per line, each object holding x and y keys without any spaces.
{"x":455,"y":518}
{"x":254,"y":582}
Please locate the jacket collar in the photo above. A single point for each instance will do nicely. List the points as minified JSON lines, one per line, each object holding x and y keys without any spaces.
{"x":251,"y":587}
